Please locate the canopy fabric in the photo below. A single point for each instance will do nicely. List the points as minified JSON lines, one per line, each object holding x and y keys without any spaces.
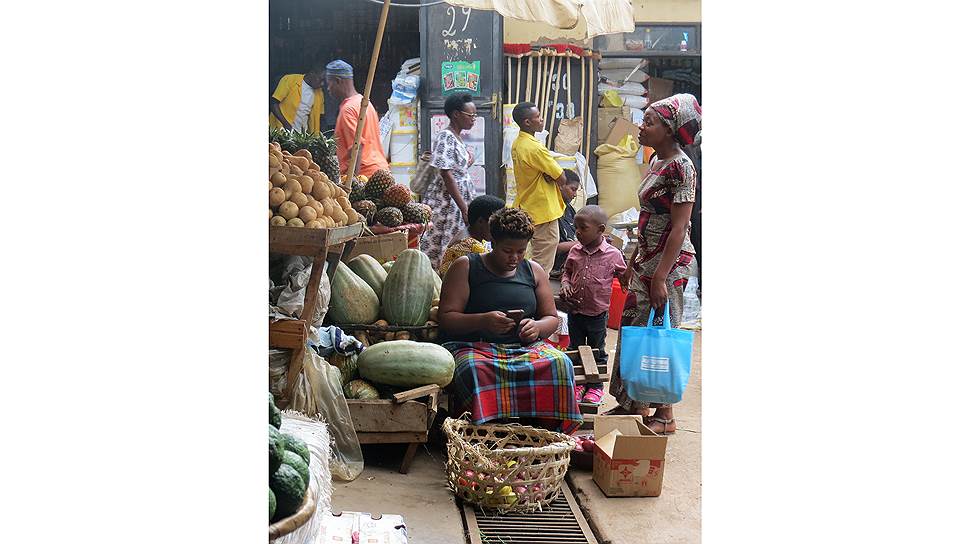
{"x":601,"y":16}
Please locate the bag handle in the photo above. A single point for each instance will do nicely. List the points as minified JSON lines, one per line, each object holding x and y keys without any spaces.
{"x":666,"y":323}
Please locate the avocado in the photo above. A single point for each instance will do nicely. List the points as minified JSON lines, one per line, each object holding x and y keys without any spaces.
{"x":275,"y":416}
{"x":296,"y":445}
{"x":272,"y":503}
{"x":295,"y":461}
{"x":289,"y":488}
{"x":277,"y":446}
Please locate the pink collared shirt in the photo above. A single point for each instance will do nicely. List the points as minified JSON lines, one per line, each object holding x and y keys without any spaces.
{"x":590,"y":272}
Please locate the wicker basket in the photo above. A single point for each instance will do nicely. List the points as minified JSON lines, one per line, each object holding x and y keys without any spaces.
{"x":508,"y":468}
{"x":288,"y":525}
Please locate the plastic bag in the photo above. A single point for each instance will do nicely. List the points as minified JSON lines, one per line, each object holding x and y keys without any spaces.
{"x":611,"y":99}
{"x":315,"y":434}
{"x":656,"y":361}
{"x":638,"y":102}
{"x":288,"y":279}
{"x":318,"y":392}
{"x":629,"y":88}
{"x":618,"y":176}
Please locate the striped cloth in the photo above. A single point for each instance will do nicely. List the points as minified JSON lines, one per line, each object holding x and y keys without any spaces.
{"x":499,"y":381}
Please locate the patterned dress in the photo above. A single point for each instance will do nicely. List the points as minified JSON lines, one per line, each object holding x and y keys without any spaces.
{"x":669,"y":181}
{"x":449,"y":153}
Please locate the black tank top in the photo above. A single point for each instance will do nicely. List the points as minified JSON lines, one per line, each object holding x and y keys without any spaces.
{"x":489,"y":292}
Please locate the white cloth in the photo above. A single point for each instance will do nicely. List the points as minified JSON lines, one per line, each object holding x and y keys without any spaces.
{"x":601,"y":16}
{"x":301,"y":122}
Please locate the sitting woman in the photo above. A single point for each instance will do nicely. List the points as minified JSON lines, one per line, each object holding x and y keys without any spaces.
{"x":505,"y":368}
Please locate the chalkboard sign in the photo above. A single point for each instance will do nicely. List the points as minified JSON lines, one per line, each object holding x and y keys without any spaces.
{"x":460,"y":52}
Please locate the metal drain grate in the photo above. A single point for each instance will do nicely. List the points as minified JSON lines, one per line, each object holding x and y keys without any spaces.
{"x":561,"y":522}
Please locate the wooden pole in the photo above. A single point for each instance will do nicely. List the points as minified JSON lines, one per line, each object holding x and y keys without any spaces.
{"x":527,"y":89}
{"x":554,"y":103}
{"x":517,"y":87}
{"x":568,"y":79}
{"x":539,"y":80}
{"x":355,"y":151}
{"x":588,"y":121}
{"x":581,"y":103}
{"x":547,"y":93}
{"x":509,"y":78}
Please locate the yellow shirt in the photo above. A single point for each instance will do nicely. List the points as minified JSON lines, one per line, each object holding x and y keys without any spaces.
{"x":289,"y":94}
{"x":537,"y":195}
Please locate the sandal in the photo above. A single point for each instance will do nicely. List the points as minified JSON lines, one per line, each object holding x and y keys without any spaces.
{"x":593,"y":396}
{"x":668,"y":426}
{"x":579,"y":392}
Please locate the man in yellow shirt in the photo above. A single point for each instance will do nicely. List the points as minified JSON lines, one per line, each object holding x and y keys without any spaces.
{"x":539,"y":178}
{"x":297,"y":104}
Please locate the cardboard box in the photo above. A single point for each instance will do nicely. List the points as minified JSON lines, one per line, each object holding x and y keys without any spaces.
{"x":659,"y":88}
{"x":339,"y":527}
{"x":629,"y":457}
{"x":622,"y":127}
{"x":383,"y":247}
{"x":607,"y":115}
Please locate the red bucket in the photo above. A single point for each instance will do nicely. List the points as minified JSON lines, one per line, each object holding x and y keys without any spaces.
{"x":616,"y":306}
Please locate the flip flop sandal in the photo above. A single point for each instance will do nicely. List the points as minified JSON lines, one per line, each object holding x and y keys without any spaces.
{"x":593,"y":396}
{"x":579,"y":392}
{"x":668,"y":425}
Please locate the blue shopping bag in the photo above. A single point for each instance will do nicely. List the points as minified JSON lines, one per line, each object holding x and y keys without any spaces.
{"x":656,"y":361}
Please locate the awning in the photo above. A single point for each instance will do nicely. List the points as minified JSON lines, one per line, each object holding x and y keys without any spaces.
{"x":601,"y":16}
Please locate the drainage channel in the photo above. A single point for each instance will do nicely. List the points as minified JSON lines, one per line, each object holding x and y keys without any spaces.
{"x":561,"y":522}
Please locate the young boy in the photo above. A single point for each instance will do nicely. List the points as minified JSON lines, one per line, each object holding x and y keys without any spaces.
{"x":478,"y":214}
{"x":586,"y":283}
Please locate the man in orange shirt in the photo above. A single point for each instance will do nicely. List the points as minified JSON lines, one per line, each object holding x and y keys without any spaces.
{"x":339,"y":83}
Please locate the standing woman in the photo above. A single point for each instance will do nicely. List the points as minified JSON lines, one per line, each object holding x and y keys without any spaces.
{"x":664,"y":258}
{"x":451,"y":190}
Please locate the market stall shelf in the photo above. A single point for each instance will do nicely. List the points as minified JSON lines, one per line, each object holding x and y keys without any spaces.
{"x":403,"y":420}
{"x":324,"y":246}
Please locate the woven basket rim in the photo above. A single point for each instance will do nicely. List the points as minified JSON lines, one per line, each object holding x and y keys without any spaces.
{"x":288,"y":525}
{"x":561,"y":440}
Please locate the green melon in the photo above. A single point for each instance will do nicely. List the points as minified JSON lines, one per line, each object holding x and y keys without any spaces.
{"x":407,"y":364}
{"x":408,"y":290}
{"x":353,"y":301}
{"x":370,"y":271}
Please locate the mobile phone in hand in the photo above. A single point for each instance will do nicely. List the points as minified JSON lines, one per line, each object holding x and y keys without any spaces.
{"x":516,"y":315}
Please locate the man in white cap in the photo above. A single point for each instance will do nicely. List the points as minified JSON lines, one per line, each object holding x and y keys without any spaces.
{"x":339,"y":84}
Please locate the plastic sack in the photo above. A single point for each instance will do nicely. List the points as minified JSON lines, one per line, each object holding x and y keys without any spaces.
{"x":638,"y":102}
{"x":569,"y":137}
{"x":618,"y":75}
{"x":617,"y":63}
{"x":656,"y":361}
{"x":629,"y":88}
{"x":318,"y":393}
{"x":316,"y":436}
{"x":292,"y":274}
{"x":618,"y":177}
{"x":611,"y":99}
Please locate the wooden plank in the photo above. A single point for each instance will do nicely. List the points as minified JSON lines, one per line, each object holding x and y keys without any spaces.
{"x":588,"y":362}
{"x":416,"y":393}
{"x":573,"y":504}
{"x":392,"y":438}
{"x":473,"y":530}
{"x":288,"y":334}
{"x":375,"y":416}
{"x":309,"y":242}
{"x":408,"y":457}
{"x":312,"y":290}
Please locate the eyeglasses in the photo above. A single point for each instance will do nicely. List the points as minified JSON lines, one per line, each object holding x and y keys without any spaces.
{"x":471,"y":115}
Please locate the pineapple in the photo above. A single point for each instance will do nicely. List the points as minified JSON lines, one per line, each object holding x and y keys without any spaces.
{"x":398,"y":196}
{"x":357,"y":191}
{"x":379,"y":182}
{"x":415,"y":213}
{"x":366,"y":209}
{"x":389,"y":217}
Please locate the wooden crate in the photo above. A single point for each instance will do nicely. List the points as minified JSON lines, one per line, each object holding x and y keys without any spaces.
{"x":403,"y":420}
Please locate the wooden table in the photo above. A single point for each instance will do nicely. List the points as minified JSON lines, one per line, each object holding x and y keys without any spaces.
{"x":324,"y":246}
{"x":403,"y":420}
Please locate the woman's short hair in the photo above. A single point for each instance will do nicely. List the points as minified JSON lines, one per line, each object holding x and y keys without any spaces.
{"x":511,"y":223}
{"x":455,"y":102}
